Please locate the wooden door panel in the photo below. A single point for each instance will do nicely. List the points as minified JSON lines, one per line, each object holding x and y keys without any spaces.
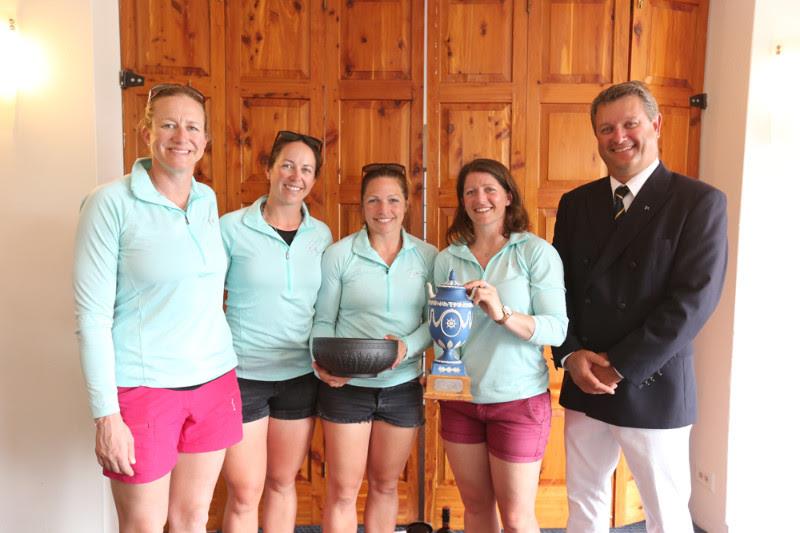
{"x":568,"y":148}
{"x":477,"y":45}
{"x":383,"y":128}
{"x":552,"y":493}
{"x":373,"y":98}
{"x":173,"y":38}
{"x":270,"y":26}
{"x":663,"y":32}
{"x":568,"y":26}
{"x":377,"y":40}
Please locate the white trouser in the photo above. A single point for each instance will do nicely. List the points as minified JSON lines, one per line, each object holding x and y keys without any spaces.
{"x":658,"y":459}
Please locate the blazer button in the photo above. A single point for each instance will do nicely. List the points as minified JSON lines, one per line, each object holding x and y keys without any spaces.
{"x":587,"y":300}
{"x":585,"y":339}
{"x":621,"y":306}
{"x":632,"y":264}
{"x":585,"y":260}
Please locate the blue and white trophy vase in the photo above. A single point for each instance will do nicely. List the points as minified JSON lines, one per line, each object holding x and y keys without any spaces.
{"x":449,"y":321}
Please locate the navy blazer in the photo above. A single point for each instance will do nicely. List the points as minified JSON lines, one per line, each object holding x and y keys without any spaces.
{"x":640,"y":289}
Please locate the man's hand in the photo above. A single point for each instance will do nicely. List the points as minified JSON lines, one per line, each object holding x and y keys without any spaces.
{"x":583,"y":366}
{"x":114,"y":445}
{"x":606,"y":374}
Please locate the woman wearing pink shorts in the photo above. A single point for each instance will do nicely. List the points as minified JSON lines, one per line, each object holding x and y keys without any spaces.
{"x":155,"y":346}
{"x":496,"y":442}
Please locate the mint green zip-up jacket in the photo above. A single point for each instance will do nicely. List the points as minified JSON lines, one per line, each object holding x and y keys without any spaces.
{"x":529,"y":278}
{"x":272,"y":288}
{"x":362,"y":297}
{"x":148,"y":283}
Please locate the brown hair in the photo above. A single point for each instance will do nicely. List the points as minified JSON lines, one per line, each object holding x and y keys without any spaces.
{"x":287,"y":137}
{"x":394,"y":171}
{"x":621,"y":90}
{"x":163,"y":90}
{"x":516,"y":219}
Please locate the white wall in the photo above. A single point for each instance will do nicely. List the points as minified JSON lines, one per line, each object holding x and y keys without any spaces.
{"x":764,"y":466}
{"x":730,"y":25}
{"x":50,"y":154}
{"x":747,"y":358}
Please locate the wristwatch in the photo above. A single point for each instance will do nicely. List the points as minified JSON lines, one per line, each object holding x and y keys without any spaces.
{"x":507,"y":312}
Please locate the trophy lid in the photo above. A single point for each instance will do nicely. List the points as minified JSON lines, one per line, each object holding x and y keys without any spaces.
{"x":451,"y":282}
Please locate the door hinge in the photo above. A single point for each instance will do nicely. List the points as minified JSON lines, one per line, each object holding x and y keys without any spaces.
{"x":699,"y":100}
{"x":641,"y":4}
{"x":528,"y":7}
{"x":128,"y":78}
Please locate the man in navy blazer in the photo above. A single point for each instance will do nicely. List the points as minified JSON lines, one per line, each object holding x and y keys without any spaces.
{"x":644,"y":252}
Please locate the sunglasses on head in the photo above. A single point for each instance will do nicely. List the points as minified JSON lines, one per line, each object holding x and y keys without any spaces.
{"x":383,"y":167}
{"x":290,"y":136}
{"x":161,"y":87}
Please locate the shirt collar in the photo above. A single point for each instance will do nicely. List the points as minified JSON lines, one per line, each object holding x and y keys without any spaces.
{"x":253,"y":217}
{"x":362,"y":247}
{"x":462,"y":250}
{"x":142,"y":186}
{"x":636,"y":183}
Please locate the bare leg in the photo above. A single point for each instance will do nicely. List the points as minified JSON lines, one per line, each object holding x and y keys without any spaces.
{"x":515,"y":486}
{"x":141,"y":508}
{"x":287,"y":446}
{"x":389,"y":449}
{"x":244,"y":471}
{"x":191,"y":490}
{"x":346,"y":448}
{"x":470,"y":464}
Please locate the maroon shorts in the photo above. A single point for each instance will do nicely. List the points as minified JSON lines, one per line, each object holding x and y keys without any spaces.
{"x":166,"y":422}
{"x":514,"y":431}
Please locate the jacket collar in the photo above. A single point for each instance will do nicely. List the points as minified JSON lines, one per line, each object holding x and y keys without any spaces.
{"x":254,"y":219}
{"x":461,"y":250}
{"x":645,"y":206}
{"x":363,"y":248}
{"x":143,"y":189}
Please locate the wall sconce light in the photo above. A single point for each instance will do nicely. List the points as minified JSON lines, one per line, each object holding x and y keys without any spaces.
{"x":22,"y":63}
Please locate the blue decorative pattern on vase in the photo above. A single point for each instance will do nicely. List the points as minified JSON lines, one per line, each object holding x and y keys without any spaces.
{"x":449,"y":321}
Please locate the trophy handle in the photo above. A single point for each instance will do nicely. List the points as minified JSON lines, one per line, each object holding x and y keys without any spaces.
{"x":431,"y":294}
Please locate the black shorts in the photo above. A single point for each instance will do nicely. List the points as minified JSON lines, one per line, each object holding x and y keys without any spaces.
{"x":400,"y":405}
{"x":291,"y":399}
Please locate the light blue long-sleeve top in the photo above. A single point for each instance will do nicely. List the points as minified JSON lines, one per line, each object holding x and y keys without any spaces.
{"x":148,"y":283}
{"x":362,"y":297}
{"x":529,"y":278}
{"x":272,"y":288}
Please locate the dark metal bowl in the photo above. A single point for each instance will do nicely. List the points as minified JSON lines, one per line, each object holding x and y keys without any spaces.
{"x":354,"y":358}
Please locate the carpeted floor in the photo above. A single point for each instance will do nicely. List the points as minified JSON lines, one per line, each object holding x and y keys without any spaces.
{"x":633,"y":528}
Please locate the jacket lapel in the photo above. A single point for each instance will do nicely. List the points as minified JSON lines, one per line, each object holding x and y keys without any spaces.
{"x":645,"y":206}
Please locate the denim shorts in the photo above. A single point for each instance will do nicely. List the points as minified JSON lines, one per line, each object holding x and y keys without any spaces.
{"x":514,"y":431}
{"x":291,"y":399}
{"x":400,"y":405}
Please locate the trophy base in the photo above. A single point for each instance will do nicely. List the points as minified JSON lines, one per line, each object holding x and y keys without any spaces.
{"x":441,"y":387}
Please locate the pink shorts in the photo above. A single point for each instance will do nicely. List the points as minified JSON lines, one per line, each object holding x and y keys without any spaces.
{"x":514,"y":431}
{"x":166,"y":422}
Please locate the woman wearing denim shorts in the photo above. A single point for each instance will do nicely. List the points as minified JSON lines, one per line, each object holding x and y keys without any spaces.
{"x":155,"y":347}
{"x":274,"y":251}
{"x":373,"y":286}
{"x":495,"y":443}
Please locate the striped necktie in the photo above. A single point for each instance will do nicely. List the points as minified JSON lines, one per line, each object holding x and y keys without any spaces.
{"x":619,"y":206}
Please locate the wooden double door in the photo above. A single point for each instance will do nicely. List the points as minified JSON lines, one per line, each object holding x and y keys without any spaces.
{"x":506,"y":79}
